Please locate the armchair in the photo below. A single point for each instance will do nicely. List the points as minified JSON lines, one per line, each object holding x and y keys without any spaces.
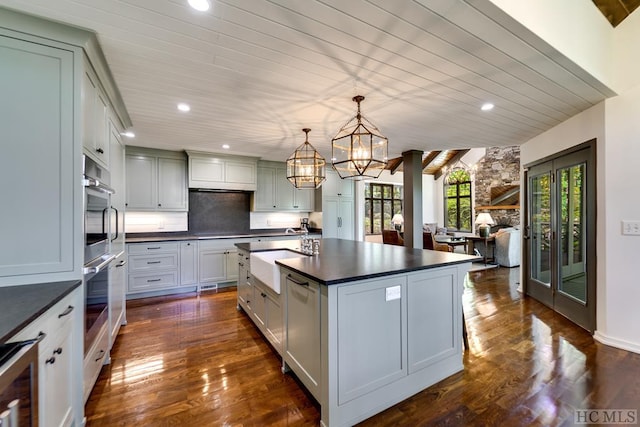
{"x":429,"y":242}
{"x":508,"y":247}
{"x":392,"y":237}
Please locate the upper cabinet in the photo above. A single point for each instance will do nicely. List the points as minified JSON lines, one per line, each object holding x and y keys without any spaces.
{"x":43,"y":65}
{"x":95,"y":108}
{"x":219,"y":172}
{"x":156,"y":180}
{"x":275,"y":192}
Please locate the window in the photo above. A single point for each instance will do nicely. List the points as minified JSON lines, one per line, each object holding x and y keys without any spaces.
{"x":381,"y":202}
{"x":457,"y":195}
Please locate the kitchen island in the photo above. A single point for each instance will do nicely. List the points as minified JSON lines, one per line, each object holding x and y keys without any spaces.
{"x":367,"y":325}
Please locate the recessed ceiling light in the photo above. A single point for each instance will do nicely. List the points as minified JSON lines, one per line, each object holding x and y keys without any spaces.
{"x":225,"y":146}
{"x":200,"y":5}
{"x":184,"y":107}
{"x":487,"y":106}
{"x":128,"y":134}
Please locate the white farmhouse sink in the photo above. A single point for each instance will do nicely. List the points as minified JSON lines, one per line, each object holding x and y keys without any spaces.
{"x":265,"y":269}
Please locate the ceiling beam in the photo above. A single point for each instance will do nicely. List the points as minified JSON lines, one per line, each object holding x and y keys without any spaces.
{"x":394,"y":164}
{"x":430,"y":158}
{"x":459,"y":155}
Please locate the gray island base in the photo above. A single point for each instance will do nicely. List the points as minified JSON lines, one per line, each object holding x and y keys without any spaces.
{"x":367,"y":325}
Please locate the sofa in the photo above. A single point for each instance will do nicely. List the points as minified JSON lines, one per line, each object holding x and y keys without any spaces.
{"x":508,"y":247}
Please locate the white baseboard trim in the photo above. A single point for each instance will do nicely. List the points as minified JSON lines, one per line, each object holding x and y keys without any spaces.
{"x":616,"y":342}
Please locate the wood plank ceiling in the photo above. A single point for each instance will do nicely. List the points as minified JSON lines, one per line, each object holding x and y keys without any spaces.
{"x":256,"y":72}
{"x":616,"y":10}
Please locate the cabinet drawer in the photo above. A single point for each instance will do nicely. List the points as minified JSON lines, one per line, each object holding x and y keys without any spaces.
{"x":53,"y":323}
{"x":150,"y":282}
{"x":141,"y":263}
{"x":152,"y":248}
{"x":94,"y":360}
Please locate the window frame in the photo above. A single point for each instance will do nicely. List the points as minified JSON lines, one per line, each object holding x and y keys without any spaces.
{"x":458,"y":198}
{"x":369,"y":189}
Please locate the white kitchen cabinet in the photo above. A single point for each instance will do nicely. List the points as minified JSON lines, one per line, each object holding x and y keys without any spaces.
{"x":221,"y":172}
{"x":276,"y":193}
{"x":156,"y":180}
{"x":42,"y":230}
{"x":189,"y":263}
{"x":213,"y":265}
{"x":218,"y":261}
{"x":335,"y":199}
{"x":59,"y":358}
{"x":117,"y":269}
{"x":334,"y":186}
{"x":118,"y":183}
{"x":245,"y":285}
{"x":302,"y":330}
{"x":152,"y":266}
{"x":337,"y":218}
{"x":95,"y":138}
{"x":117,"y":291}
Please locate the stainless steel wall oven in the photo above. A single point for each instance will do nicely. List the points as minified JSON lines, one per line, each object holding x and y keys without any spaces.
{"x":98,"y":220}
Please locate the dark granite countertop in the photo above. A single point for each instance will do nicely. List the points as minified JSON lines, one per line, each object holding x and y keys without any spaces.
{"x":167,"y":237}
{"x":21,"y":305}
{"x":343,"y":261}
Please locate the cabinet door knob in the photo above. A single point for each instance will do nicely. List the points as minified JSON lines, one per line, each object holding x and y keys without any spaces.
{"x":57,"y":350}
{"x":50,"y":360}
{"x":100,"y":150}
{"x":159,"y":204}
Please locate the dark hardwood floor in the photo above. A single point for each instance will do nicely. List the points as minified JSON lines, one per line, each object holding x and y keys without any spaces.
{"x":196,"y":361}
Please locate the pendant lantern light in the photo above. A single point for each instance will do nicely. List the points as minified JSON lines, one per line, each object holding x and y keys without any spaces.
{"x":306,"y":167}
{"x":359,"y":149}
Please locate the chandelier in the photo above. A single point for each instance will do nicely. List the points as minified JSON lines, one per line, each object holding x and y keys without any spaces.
{"x":359,"y":149}
{"x":306,"y":167}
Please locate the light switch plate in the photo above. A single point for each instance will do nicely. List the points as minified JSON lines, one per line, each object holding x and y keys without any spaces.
{"x":631,"y":228}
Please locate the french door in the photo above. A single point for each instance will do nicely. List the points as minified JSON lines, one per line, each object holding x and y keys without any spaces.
{"x":560,"y":234}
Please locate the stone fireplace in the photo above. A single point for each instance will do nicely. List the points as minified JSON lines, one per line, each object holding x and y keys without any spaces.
{"x":499,"y":167}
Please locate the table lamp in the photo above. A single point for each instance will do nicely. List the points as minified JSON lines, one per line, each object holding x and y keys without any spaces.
{"x":397,"y":221}
{"x":484,"y":222}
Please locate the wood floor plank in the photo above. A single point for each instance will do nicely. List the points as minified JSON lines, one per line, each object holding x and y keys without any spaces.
{"x":195,"y":360}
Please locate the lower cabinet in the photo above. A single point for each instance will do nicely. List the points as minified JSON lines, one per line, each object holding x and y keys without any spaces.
{"x":245,"y":287}
{"x":59,"y":356}
{"x":267,"y":313}
{"x":302,"y":331}
{"x":188,"y":263}
{"x":178,"y":266}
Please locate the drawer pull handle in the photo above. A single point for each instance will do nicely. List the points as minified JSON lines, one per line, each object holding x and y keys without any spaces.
{"x":100,"y":150}
{"x":155,"y":247}
{"x":241,"y":264}
{"x":153,"y":280}
{"x":297,"y":282}
{"x":100,"y":354}
{"x":154,"y":262}
{"x":57,"y":350}
{"x":50,"y":360}
{"x":66,"y":311}
{"x":263,"y":295}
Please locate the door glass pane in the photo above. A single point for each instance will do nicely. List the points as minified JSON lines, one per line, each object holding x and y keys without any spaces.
{"x":377,"y":217}
{"x":541,"y":228}
{"x":367,"y":216}
{"x":387,"y":215}
{"x":572,"y":221}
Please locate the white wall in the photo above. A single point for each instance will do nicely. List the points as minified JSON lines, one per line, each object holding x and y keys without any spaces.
{"x":576,"y":28}
{"x":618,"y":314}
{"x":616,"y":125}
{"x":626,"y":53}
